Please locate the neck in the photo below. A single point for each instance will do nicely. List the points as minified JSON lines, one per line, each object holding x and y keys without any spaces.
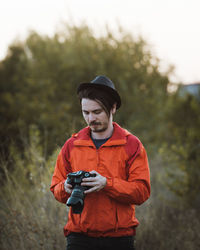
{"x":104,"y":134}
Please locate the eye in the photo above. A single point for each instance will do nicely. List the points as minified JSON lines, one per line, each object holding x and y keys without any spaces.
{"x":97,"y":111}
{"x":85,"y":112}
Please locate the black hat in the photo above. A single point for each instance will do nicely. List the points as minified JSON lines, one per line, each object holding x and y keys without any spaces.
{"x":104,"y":83}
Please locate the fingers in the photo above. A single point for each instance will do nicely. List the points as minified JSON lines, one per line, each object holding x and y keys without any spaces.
{"x":91,"y":178}
{"x":67,"y":187}
{"x":93,"y":189}
{"x":95,"y":183}
{"x":88,"y":180}
{"x":91,"y":181}
{"x":94,"y":172}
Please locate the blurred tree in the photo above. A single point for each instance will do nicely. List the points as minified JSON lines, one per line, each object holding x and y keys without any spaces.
{"x":39,"y":77}
{"x":13,"y":74}
{"x":182,"y":148}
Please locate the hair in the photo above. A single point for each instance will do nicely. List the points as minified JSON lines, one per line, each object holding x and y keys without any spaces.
{"x":105,"y":99}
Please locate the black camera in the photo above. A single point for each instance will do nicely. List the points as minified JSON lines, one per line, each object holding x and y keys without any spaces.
{"x":76,"y":200}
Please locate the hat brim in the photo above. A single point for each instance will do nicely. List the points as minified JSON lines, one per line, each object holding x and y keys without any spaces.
{"x":113,"y":92}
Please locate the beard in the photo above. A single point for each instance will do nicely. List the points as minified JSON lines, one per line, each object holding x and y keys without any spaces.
{"x":98,"y":127}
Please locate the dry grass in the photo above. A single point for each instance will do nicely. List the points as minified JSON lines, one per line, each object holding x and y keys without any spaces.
{"x":30,"y":217}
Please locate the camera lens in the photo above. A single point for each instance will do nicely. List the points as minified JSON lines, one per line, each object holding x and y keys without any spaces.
{"x":87,"y":174}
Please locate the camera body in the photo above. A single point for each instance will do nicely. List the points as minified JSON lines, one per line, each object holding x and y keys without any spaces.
{"x":76,"y":200}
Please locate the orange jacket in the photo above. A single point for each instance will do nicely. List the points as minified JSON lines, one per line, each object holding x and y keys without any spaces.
{"x":123,"y":161}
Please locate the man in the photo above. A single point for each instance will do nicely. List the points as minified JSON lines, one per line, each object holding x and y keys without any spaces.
{"x":121,"y":181}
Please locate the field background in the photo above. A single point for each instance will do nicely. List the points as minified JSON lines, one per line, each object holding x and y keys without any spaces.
{"x":39,"y":111}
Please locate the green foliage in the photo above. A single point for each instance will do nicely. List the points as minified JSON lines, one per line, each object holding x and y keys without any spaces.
{"x":182,"y":148}
{"x":39,"y":78}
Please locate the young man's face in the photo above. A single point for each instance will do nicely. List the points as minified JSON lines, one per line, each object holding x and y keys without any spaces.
{"x":95,"y":116}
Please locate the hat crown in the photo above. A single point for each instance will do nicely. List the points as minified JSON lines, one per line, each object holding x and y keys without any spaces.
{"x":104,"y":83}
{"x":103,"y":80}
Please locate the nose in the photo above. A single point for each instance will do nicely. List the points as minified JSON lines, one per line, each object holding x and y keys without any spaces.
{"x":91,"y":117}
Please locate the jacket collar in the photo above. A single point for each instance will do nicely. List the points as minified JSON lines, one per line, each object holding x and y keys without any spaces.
{"x":118,"y":137}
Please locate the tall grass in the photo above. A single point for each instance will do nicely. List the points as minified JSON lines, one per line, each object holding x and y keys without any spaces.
{"x":30,"y":217}
{"x":165,"y":223}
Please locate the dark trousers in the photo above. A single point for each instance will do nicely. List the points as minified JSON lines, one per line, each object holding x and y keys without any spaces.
{"x":76,"y":241}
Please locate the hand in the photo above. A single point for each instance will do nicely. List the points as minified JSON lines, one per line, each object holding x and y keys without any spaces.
{"x":67,"y":187}
{"x":95,"y":183}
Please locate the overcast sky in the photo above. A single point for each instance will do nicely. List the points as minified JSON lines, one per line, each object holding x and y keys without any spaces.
{"x":172,"y":27}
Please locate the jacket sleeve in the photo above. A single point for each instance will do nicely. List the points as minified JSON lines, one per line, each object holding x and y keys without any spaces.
{"x":136,"y":189}
{"x":62,"y":168}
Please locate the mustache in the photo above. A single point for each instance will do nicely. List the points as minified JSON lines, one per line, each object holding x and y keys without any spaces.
{"x":94,"y":123}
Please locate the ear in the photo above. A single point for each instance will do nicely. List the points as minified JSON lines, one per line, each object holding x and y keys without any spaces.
{"x":114,"y":108}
